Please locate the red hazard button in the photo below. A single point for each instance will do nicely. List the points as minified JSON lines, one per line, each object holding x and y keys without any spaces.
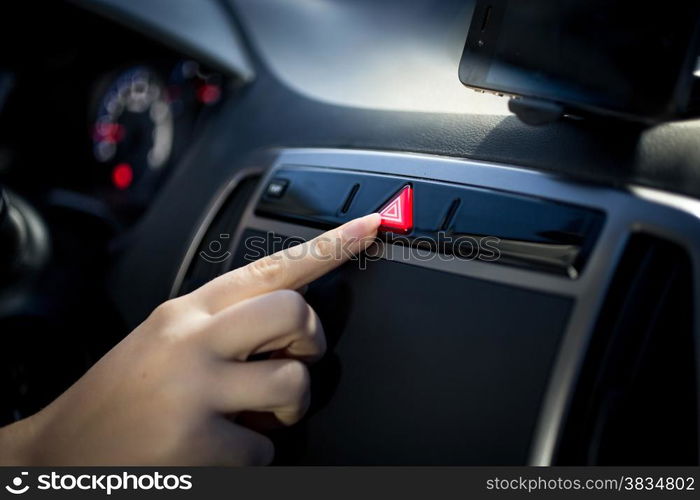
{"x":397,"y":214}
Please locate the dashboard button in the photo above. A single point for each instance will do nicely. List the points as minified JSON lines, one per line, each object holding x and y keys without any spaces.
{"x":276,"y":188}
{"x":397,"y":214}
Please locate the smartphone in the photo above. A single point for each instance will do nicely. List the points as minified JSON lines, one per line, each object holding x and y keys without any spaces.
{"x":631,"y":59}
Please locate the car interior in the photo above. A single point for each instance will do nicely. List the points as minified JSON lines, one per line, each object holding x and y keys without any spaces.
{"x":532,"y":298}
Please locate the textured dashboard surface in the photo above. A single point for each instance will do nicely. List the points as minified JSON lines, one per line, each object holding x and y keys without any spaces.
{"x":389,"y":55}
{"x":403,"y":56}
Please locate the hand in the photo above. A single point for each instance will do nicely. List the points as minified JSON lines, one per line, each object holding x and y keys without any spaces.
{"x":170,"y":392}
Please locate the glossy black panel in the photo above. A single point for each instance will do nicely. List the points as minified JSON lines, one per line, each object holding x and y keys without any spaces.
{"x":322,"y":197}
{"x":449,"y":218}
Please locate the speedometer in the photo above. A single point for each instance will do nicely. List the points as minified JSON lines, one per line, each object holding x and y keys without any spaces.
{"x":132,"y":133}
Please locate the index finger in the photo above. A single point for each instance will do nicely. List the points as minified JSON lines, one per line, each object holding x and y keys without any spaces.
{"x":291,"y":268}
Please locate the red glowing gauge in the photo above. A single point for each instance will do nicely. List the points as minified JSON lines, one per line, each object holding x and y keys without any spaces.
{"x":132,"y":128}
{"x":122,"y":176}
{"x":208,"y":93}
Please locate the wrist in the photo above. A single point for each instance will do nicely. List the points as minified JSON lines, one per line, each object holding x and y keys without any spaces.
{"x":18,"y":442}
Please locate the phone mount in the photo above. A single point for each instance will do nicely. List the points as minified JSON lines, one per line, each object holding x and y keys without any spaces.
{"x":532,"y":111}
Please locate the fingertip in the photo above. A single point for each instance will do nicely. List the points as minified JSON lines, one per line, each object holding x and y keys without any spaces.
{"x":375,"y":221}
{"x":362,"y":227}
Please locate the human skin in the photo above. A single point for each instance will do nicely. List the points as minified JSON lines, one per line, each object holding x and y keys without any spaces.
{"x":180,"y":389}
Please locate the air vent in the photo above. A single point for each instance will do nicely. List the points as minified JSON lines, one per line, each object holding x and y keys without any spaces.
{"x":214,"y":254}
{"x":636,"y":401}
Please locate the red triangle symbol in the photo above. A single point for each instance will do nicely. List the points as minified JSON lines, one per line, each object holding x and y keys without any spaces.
{"x":397,"y":214}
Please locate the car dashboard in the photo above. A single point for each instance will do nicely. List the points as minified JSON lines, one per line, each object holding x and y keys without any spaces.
{"x":540,"y":308}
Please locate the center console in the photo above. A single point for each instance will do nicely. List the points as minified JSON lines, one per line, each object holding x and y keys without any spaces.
{"x":508,"y":323}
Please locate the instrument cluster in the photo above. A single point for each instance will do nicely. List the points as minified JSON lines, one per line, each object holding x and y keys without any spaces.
{"x":99,"y":117}
{"x":141,"y":121}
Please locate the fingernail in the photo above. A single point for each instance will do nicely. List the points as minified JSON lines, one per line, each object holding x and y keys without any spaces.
{"x":362,"y":227}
